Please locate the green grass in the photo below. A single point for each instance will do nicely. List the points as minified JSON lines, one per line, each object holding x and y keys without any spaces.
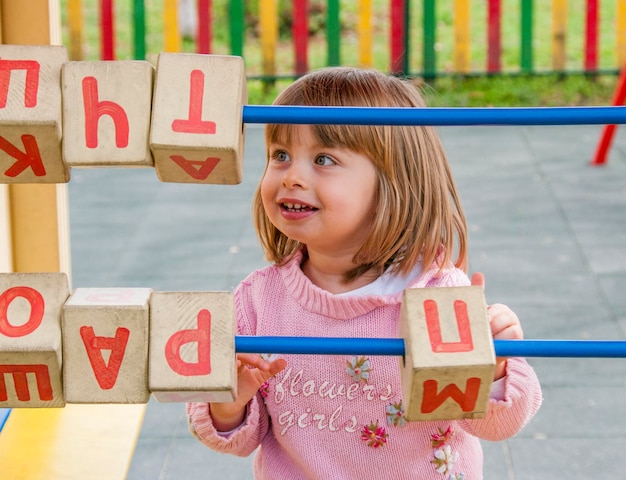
{"x":510,"y":89}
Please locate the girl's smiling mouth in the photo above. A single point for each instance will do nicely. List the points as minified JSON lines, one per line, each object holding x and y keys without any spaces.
{"x":297,"y":207}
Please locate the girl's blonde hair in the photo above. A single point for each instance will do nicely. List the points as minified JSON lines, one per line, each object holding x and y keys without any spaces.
{"x":418,"y":209}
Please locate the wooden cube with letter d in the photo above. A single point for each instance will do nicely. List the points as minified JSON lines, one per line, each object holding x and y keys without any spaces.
{"x":449,"y":358}
{"x":192,"y":347}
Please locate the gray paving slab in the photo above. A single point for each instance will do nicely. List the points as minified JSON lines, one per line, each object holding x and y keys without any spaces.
{"x":547,"y":230}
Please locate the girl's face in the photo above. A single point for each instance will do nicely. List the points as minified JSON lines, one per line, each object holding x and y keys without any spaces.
{"x":322,"y":197}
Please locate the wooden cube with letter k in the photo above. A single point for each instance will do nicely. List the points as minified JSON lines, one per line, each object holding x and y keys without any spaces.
{"x":449,"y":360}
{"x":31,"y":114}
{"x":192,"y":347}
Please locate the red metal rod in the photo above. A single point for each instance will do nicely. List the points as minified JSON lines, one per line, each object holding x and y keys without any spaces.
{"x":300,"y":31}
{"x":608,"y":131}
{"x":591,"y":39}
{"x":203,"y":42}
{"x":494,"y":46}
{"x":106,"y":25}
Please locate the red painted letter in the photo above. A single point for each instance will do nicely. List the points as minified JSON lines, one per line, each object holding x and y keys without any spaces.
{"x":31,"y":85}
{"x":29,"y":158}
{"x":465,"y":344}
{"x":94,"y":109}
{"x":466,"y":400}
{"x":195,"y":124}
{"x":105,"y":375}
{"x":200,"y":335}
{"x":36,"y":311}
{"x":196,"y":169}
{"x":42,"y":377}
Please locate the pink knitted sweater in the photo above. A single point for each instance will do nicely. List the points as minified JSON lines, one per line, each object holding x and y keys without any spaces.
{"x":310,"y":419}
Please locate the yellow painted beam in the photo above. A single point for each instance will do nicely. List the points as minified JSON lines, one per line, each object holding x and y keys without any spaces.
{"x":559,"y":34}
{"x":620,"y":20}
{"x":364,"y":29}
{"x":79,"y":441}
{"x":268,"y":20}
{"x":33,"y":209}
{"x":170,"y":26}
{"x":462,"y":36}
{"x":75,"y":24}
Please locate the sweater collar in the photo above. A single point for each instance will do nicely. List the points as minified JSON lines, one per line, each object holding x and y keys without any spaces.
{"x":322,"y":302}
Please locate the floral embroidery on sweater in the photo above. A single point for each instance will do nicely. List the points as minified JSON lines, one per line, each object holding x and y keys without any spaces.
{"x":444,"y":458}
{"x":359,"y":369}
{"x":395,"y":414}
{"x":374,"y":435}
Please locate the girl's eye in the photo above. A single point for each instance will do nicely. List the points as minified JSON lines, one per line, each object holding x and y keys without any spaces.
{"x":280,"y":156}
{"x":324,"y":160}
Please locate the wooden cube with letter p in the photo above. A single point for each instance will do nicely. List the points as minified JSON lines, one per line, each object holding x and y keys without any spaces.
{"x":192,"y":347}
{"x":197,"y":132}
{"x":449,"y":360}
{"x":30,"y":339}
{"x":30,"y":114}
{"x":105,"y":345}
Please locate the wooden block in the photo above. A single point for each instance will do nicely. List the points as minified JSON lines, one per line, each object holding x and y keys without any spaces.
{"x":449,"y":361}
{"x":106,"y":113}
{"x":105,"y":345}
{"x":30,"y":339}
{"x":30,"y":114}
{"x":197,"y":134}
{"x":192,"y":347}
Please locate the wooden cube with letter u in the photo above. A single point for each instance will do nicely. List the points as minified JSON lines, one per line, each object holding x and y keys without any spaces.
{"x":449,"y":358}
{"x":197,"y":130}
{"x":192,"y":347}
{"x":106,"y":113}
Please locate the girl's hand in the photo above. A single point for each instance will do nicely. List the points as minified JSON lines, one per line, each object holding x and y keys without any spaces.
{"x":504,"y":325}
{"x":252,"y":372}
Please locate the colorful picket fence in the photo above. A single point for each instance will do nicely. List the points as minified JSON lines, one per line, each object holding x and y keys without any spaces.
{"x":429,"y":38}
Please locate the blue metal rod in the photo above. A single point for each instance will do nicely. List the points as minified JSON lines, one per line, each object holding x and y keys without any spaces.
{"x":395,"y":347}
{"x":434,"y":116}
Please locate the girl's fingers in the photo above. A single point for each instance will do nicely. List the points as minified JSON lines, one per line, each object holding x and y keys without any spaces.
{"x":252,"y":360}
{"x":478,"y":279}
{"x":504,"y":323}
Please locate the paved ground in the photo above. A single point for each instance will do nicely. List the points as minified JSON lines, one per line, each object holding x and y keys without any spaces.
{"x":547,"y":230}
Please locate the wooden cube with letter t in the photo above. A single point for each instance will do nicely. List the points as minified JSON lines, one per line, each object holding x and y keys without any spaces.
{"x":449,"y":358}
{"x":197,"y":131}
{"x":30,"y":339}
{"x":105,"y":345}
{"x":192,"y":347}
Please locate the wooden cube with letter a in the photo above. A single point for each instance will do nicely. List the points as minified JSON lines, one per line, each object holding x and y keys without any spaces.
{"x":192,"y":347}
{"x":30,"y":339}
{"x":449,"y":358}
{"x":105,"y":345}
{"x":30,"y":114}
{"x":106,"y":113}
{"x":197,"y":132}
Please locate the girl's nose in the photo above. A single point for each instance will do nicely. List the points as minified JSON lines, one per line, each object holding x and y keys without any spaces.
{"x":294,"y":177}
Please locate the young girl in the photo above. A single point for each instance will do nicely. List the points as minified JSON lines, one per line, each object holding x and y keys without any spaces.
{"x":350,"y":216}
